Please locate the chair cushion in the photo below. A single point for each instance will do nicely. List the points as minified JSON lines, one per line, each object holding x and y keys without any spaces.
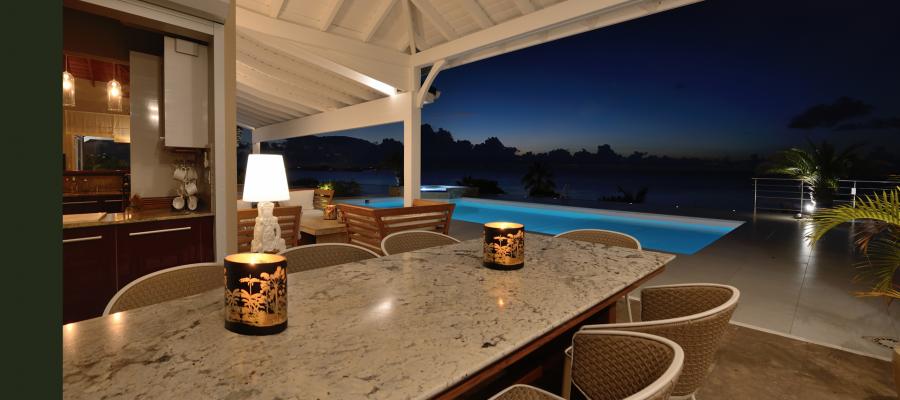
{"x":302,"y":198}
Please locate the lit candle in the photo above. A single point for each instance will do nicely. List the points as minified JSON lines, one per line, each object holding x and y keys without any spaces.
{"x":504,"y":245}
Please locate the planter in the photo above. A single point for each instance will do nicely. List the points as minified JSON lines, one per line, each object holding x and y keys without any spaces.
{"x":897,"y":368}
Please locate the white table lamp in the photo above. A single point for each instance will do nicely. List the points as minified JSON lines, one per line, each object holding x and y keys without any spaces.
{"x":264,"y":182}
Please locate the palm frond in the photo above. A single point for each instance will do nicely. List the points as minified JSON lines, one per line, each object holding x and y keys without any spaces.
{"x":884,"y":207}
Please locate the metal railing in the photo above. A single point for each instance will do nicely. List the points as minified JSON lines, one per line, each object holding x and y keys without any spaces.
{"x":792,"y":195}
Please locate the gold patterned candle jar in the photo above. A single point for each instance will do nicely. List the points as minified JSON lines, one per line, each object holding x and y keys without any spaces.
{"x":255,"y":293}
{"x":330,"y":212}
{"x":504,"y":245}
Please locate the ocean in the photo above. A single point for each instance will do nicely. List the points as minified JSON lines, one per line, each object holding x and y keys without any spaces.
{"x":708,"y":190}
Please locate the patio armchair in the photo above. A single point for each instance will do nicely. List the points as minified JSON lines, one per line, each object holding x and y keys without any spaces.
{"x":367,"y":227}
{"x":288,"y":218}
{"x":694,"y":315}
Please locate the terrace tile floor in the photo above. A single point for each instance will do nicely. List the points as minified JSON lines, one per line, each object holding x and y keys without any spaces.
{"x":786,"y":287}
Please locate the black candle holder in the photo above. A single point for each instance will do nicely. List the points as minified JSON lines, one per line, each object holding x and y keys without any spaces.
{"x":255,"y":293}
{"x":504,"y":245}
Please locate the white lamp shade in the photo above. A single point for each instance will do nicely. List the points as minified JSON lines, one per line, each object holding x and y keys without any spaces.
{"x":265,"y":179}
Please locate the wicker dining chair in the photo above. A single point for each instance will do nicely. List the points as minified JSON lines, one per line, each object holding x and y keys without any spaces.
{"x":313,"y":256}
{"x":167,"y":284}
{"x":609,"y":238}
{"x":404,"y":241}
{"x":614,"y":365}
{"x":694,"y":315}
{"x":524,"y":392}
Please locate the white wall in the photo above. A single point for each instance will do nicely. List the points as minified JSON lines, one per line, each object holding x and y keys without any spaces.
{"x":151,"y":164}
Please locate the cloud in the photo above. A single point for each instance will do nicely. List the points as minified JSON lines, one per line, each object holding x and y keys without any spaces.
{"x":872,"y":124}
{"x":830,"y":115}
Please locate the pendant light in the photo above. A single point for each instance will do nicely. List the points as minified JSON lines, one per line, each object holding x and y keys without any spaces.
{"x":68,"y":82}
{"x":114,"y":93}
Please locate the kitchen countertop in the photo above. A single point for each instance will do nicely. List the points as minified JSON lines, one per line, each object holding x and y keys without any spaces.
{"x":130,"y":217}
{"x":90,"y":194}
{"x":405,"y":326}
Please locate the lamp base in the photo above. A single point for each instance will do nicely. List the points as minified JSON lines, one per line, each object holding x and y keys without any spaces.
{"x":267,"y":232}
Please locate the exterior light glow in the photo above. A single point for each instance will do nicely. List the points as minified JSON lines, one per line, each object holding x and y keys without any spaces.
{"x":810,"y":207}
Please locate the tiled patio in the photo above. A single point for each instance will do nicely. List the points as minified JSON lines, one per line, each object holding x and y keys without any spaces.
{"x":786,"y":287}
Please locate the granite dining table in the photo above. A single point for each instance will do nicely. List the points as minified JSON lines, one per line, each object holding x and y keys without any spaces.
{"x":426,"y":324}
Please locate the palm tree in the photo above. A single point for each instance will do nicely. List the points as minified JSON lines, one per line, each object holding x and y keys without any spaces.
{"x":878,"y":240}
{"x":820,"y":168}
{"x":538,"y":181}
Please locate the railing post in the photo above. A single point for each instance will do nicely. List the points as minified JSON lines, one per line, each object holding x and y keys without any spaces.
{"x":853,"y":194}
{"x":801,"y":197}
{"x":755,"y":184}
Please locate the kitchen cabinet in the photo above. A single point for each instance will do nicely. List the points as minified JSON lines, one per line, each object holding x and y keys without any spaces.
{"x":100,"y":260}
{"x":185,"y":93}
{"x":89,"y":271}
{"x":78,"y":204}
{"x":149,"y":247}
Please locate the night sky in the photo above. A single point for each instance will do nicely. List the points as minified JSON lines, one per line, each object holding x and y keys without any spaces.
{"x":717,"y":78}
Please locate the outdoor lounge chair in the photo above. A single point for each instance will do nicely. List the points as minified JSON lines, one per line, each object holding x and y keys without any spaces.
{"x":367,"y":227}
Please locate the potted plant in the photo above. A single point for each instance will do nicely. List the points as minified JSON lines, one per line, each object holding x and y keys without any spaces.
{"x":878,"y":241}
{"x":820,"y":168}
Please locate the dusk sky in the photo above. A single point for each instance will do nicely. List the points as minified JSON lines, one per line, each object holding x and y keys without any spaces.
{"x":717,"y":78}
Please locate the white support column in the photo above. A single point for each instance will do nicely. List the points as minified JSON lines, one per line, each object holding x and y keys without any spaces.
{"x":225,"y":136}
{"x":412,"y":142}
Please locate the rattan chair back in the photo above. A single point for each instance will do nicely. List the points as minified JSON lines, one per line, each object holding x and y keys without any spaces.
{"x":694,"y":315}
{"x":313,"y":256}
{"x":168,"y":284}
{"x":524,"y":392}
{"x":609,"y":238}
{"x":614,"y":365}
{"x":401,"y":242}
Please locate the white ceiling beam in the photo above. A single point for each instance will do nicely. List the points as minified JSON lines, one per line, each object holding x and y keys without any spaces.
{"x":266,"y":89}
{"x":302,"y":53}
{"x":249,"y":119}
{"x":245,"y":104}
{"x":331,"y":11}
{"x":436,"y":19}
{"x":410,"y":26}
{"x":266,"y":48}
{"x":257,"y":97}
{"x":245,"y":125}
{"x":381,"y":12}
{"x":247,"y":19}
{"x":612,"y":17}
{"x":262,"y":81}
{"x":525,"y":6}
{"x":372,"y":113}
{"x":551,"y":17}
{"x":275,"y":7}
{"x":432,"y":74}
{"x":285,"y":69}
{"x":477,"y":13}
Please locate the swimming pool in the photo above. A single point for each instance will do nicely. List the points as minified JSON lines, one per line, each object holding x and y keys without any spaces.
{"x":674,"y":234}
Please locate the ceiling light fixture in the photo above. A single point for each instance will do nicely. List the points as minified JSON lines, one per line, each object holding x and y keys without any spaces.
{"x":68,"y":87}
{"x":114,"y":93}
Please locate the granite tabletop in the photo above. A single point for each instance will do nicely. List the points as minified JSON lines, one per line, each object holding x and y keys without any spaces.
{"x":406,"y":326}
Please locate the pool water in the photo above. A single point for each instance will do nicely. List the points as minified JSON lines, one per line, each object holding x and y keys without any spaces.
{"x":682,"y":235}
